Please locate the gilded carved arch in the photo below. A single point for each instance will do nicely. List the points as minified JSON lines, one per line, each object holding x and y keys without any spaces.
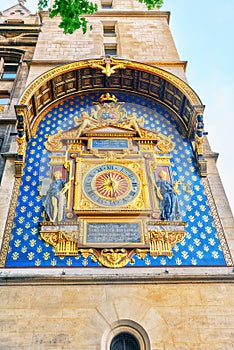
{"x":107,"y":74}
{"x":109,"y":145}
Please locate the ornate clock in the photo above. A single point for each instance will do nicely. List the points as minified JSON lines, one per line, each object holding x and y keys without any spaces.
{"x":111,"y":185}
{"x":114,"y":171}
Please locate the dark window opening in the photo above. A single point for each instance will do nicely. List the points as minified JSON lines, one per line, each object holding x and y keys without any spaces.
{"x":111,"y":51}
{"x":106,"y":4}
{"x":124,"y":341}
{"x":109,"y":30}
{"x":9,"y":70}
{"x":14,"y":21}
{"x":9,"y":64}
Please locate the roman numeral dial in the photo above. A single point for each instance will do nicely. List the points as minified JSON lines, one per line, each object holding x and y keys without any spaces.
{"x":111,"y":185}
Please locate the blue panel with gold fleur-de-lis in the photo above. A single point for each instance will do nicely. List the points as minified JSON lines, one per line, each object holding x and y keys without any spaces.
{"x":201,"y":244}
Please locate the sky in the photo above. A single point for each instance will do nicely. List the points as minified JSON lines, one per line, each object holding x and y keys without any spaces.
{"x":203,"y":33}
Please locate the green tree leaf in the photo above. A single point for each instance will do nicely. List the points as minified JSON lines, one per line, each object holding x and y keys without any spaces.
{"x":71,"y":12}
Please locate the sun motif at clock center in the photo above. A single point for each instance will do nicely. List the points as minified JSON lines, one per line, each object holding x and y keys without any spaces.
{"x":111,"y":184}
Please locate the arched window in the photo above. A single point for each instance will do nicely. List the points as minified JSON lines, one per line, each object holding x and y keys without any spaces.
{"x":125,"y":335}
{"x":124,"y":341}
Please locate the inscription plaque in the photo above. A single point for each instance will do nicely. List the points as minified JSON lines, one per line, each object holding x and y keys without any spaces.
{"x":113,"y":233}
{"x":110,"y":143}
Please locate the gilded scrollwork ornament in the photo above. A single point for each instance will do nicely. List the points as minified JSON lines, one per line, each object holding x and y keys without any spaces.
{"x":112,"y":258}
{"x":199,"y":141}
{"x":108,"y":67}
{"x":53,"y":142}
{"x":162,"y":241}
{"x":21,"y":145}
{"x":64,"y":242}
{"x":157,"y":242}
{"x":109,"y":155}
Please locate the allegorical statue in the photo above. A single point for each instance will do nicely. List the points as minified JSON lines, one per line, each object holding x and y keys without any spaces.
{"x":135,"y":122}
{"x":168,"y":201}
{"x":55,"y":199}
{"x":86,"y":121}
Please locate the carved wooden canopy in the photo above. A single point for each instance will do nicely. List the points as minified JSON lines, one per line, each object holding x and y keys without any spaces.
{"x":119,"y":74}
{"x":109,"y":74}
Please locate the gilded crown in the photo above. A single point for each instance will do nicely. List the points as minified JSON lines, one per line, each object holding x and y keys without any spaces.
{"x":107,"y":98}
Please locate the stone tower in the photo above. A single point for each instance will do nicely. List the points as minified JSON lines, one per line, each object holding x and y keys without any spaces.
{"x":115,"y":231}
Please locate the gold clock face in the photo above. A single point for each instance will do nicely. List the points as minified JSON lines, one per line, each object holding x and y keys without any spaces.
{"x":111,"y":185}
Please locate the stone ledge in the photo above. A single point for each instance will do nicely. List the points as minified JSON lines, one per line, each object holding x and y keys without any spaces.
{"x":92,"y":276}
{"x":119,"y":13}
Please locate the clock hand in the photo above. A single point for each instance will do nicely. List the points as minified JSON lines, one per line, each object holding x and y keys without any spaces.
{"x":111,"y":184}
{"x":114,"y":192}
{"x":105,"y":186}
{"x":113,"y":189}
{"x":105,"y":183}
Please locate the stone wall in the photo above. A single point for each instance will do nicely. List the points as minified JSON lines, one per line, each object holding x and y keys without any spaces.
{"x":140,"y":36}
{"x":175,"y":316}
{"x":63,"y":311}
